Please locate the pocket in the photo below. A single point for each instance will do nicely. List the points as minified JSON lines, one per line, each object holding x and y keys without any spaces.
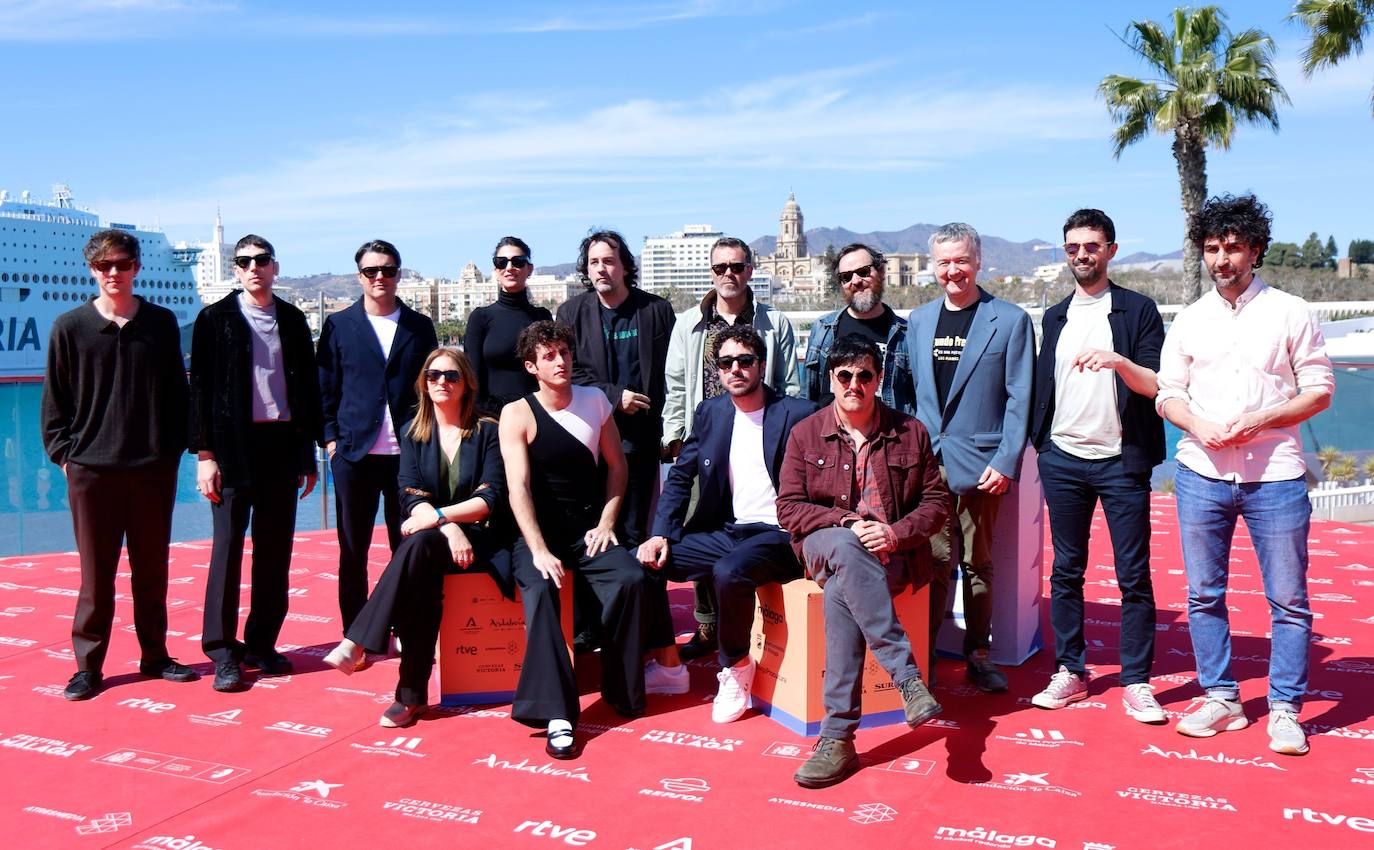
{"x":987,"y":440}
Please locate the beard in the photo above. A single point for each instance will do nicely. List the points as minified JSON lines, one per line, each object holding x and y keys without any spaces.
{"x":867,"y":299}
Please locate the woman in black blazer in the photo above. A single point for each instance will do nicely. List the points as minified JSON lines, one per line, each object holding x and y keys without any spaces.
{"x":452,"y":483}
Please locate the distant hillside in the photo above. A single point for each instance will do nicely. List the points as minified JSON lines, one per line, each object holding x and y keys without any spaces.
{"x":333,"y":285}
{"x":999,"y":255}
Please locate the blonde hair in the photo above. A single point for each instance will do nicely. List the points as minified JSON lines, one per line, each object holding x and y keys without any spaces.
{"x":422,"y":426}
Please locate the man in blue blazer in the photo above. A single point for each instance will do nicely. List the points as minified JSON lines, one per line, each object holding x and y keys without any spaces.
{"x":735,"y":453}
{"x":369,"y":356}
{"x":972,"y":357}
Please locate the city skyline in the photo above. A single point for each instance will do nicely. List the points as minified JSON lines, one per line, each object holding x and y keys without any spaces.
{"x":329,"y":124}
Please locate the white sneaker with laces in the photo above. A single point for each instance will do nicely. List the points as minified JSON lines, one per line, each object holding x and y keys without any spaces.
{"x":1065,"y":687}
{"x":666,"y":680}
{"x":1286,"y":734}
{"x":733,"y":698}
{"x":1212,"y":716}
{"x":1140,"y":703}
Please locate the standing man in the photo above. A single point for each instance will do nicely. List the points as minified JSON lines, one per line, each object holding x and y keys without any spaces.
{"x":1242,"y":367}
{"x":861,"y":495}
{"x":1098,"y":437}
{"x":972,"y":356}
{"x":693,"y":376}
{"x":114,"y":420}
{"x":369,"y":357}
{"x":733,"y":540}
{"x":255,"y":419}
{"x":860,"y":272}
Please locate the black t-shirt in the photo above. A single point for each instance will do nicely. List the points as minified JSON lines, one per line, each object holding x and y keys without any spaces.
{"x":875,"y":329}
{"x":951,"y":334}
{"x":621,"y":327}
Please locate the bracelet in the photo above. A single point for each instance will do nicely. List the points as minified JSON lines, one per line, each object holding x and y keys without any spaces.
{"x":443,"y":520}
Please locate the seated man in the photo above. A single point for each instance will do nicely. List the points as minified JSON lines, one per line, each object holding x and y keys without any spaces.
{"x":567,"y":513}
{"x":733,"y":538}
{"x":861,"y":494}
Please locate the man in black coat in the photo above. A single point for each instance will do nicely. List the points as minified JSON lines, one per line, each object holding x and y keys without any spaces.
{"x":369,"y":357}
{"x":255,"y":419}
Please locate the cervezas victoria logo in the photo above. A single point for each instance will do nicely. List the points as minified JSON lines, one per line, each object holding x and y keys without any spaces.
{"x":1175,"y":799}
{"x":432,"y":811}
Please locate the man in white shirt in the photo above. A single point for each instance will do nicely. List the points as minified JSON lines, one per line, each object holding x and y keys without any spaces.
{"x":1242,"y":367}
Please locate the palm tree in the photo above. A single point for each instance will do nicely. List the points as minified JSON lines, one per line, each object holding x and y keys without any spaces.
{"x":1337,"y":27}
{"x":1208,"y":80}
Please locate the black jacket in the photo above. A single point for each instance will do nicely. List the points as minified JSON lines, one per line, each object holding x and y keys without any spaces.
{"x":1138,"y":335}
{"x":222,"y":390}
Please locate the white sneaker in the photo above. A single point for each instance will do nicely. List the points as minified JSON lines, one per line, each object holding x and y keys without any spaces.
{"x":734,"y":696}
{"x":1212,"y":716}
{"x":666,"y":680}
{"x":347,"y":657}
{"x":1286,"y":734}
{"x":1140,"y":703}
{"x":1065,"y":687}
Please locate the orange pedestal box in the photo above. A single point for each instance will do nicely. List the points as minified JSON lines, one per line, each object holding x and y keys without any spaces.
{"x":789,"y":646}
{"x":482,"y":640}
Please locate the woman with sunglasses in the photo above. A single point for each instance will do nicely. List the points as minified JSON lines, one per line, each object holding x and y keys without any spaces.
{"x":490,"y":338}
{"x":452,"y":480}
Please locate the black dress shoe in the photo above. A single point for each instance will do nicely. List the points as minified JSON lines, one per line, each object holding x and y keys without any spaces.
{"x":702,"y":643}
{"x":228,"y":677}
{"x":565,"y":748}
{"x":585,"y":642}
{"x":269,"y":661}
{"x":168,"y":669}
{"x":83,"y":685}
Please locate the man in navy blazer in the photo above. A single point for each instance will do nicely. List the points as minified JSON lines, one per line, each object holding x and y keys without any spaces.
{"x":369,"y":356}
{"x":972,"y":357}
{"x":735,"y":454}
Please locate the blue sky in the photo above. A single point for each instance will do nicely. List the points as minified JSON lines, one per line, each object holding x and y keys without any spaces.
{"x":444,"y":126}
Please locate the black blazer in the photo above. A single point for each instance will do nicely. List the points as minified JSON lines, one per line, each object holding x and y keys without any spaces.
{"x":481,"y":473}
{"x":222,"y":380}
{"x":1138,"y":335}
{"x":706,"y":457}
{"x":355,"y":382}
{"x":590,"y":367}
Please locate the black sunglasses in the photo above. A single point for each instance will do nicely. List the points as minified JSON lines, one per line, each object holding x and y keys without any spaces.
{"x":453,"y":376}
{"x":261,"y":259}
{"x":519,"y":261}
{"x":746,"y":361}
{"x":123,"y":265}
{"x":387,"y":272}
{"x":844,"y":376}
{"x":737,"y":268}
{"x":861,"y":271}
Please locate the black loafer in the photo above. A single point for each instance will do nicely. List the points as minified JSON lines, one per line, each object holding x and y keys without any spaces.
{"x":84,"y":684}
{"x":269,"y":661}
{"x":564,"y":751}
{"x":168,"y":669}
{"x":702,"y":643}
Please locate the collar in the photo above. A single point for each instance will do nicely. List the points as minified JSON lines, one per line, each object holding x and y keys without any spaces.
{"x":708,"y":309}
{"x":885,"y":426}
{"x":92,"y":320}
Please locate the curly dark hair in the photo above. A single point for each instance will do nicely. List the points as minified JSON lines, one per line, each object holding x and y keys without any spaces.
{"x":546,"y":332}
{"x":1228,"y":215}
{"x":745,"y":335}
{"x":609,"y":237}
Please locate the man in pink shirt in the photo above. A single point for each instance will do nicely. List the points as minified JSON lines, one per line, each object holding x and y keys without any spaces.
{"x":1241,"y":368}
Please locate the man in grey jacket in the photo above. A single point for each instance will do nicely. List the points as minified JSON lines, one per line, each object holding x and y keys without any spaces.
{"x":692,"y":376}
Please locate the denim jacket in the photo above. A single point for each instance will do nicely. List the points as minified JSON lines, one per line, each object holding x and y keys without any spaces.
{"x":898,"y":391}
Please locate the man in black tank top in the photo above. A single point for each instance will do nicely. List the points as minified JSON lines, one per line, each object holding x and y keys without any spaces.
{"x":567,"y":513}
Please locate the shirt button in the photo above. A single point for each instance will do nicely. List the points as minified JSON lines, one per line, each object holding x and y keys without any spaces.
{"x":820,"y":462}
{"x":844,"y":498}
{"x":846,"y":466}
{"x":707,"y":462}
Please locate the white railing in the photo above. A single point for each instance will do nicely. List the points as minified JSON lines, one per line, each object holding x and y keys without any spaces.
{"x":1332,"y":501}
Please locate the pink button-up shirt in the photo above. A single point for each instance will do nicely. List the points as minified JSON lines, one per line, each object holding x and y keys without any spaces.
{"x":1226,"y":361}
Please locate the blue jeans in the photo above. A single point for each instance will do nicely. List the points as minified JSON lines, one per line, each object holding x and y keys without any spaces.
{"x":1277,"y":514}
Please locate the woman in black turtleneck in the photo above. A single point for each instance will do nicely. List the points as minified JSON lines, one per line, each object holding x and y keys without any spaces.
{"x":490,"y":339}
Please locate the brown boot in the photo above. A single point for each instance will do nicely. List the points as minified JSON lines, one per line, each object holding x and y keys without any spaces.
{"x":919,"y":703}
{"x":832,"y":762}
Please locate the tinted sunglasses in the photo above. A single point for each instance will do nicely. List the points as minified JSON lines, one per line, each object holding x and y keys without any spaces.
{"x":453,"y":376}
{"x":387,"y":272}
{"x":519,"y":261}
{"x":746,"y":361}
{"x":722,"y":268}
{"x":861,"y":271}
{"x":1072,"y":248}
{"x":106,"y":266}
{"x":844,"y":376}
{"x":260,"y":259}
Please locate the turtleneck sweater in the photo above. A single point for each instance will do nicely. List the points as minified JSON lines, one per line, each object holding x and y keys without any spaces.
{"x":490,"y":344}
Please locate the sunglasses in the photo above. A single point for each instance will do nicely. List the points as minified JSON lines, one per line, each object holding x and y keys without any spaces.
{"x":519,"y":261}
{"x":387,"y":272}
{"x":861,"y":271}
{"x":844,"y":376}
{"x":106,"y":266}
{"x":261,"y":259}
{"x":1071,"y":249}
{"x":746,"y":361}
{"x":453,"y":376}
{"x":722,"y":268}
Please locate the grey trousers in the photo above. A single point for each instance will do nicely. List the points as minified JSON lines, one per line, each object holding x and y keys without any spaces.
{"x":857,"y":597}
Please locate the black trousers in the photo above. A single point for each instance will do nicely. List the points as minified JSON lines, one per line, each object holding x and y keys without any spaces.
{"x":631,"y":529}
{"x":109,"y":506}
{"x":357,"y":486}
{"x":409,"y":598}
{"x":547,"y":689}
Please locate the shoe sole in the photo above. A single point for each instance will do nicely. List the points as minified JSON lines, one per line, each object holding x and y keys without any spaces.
{"x":1233,"y":725}
{"x":748,"y":704}
{"x":1052,"y":704}
{"x":669,"y":692}
{"x":408,"y":722}
{"x":81,"y":697}
{"x":344,"y":664}
{"x":849,"y":770}
{"x":234,"y":688}
{"x":1289,"y":751}
{"x":1154,"y":718}
{"x":921,"y":719}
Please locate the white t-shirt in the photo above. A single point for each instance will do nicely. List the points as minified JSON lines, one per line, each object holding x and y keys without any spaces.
{"x":584,"y":417}
{"x":385,"y":329}
{"x":1086,"y":423}
{"x":752,"y":492}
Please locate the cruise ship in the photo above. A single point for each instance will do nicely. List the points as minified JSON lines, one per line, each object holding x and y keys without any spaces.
{"x":43,"y":274}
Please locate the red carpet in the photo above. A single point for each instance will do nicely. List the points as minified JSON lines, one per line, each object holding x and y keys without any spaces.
{"x":299,"y":761}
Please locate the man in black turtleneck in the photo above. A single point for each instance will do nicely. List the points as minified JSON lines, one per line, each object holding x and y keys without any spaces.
{"x":489,"y":341}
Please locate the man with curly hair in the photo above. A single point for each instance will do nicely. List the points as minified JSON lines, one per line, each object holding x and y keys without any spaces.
{"x":1241,"y":369}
